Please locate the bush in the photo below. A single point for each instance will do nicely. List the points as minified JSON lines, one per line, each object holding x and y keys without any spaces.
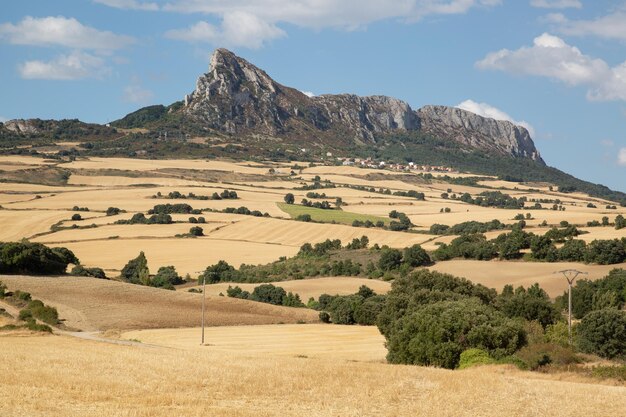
{"x":166,"y":277}
{"x":81,"y":271}
{"x":436,"y":334}
{"x":237,"y":292}
{"x":221,"y":271}
{"x":112,"y":211}
{"x":342,"y":309}
{"x":196,"y":231}
{"x":268,"y":293}
{"x":535,"y":356}
{"x":136,"y":271}
{"x":390,"y":259}
{"x":304,"y":218}
{"x":324,"y":317}
{"x":416,"y":256}
{"x":34,"y":258}
{"x":603,"y":332}
{"x":76,"y":217}
{"x":474,"y":357}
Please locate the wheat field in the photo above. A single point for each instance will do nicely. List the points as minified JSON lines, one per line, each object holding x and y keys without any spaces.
{"x":58,"y":375}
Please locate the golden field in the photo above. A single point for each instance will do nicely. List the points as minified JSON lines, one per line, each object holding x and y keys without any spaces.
{"x":57,"y":375}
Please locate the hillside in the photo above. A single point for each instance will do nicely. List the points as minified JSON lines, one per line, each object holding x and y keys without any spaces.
{"x":94,"y":304}
{"x":238,"y":111}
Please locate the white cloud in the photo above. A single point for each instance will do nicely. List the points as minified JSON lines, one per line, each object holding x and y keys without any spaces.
{"x":308,"y":93}
{"x":135,"y":93}
{"x":486,"y":110}
{"x":76,"y":65}
{"x":54,"y":31}
{"x":324,"y":13}
{"x":129,"y":4}
{"x":607,"y":143}
{"x":556,"y":4}
{"x":611,"y":26}
{"x":551,"y":57}
{"x":237,"y":29}
{"x":621,"y":157}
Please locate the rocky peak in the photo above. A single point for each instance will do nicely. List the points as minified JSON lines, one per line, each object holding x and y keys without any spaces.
{"x":21,"y":126}
{"x":479,"y":132}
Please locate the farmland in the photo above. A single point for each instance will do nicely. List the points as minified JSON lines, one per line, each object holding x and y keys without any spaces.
{"x":313,"y":368}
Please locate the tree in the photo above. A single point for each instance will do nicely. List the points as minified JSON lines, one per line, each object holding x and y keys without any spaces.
{"x":221,"y":271}
{"x":603,"y":332}
{"x":390,"y":259}
{"x":436,"y":334}
{"x":532,"y":305}
{"x":620,"y":222}
{"x":166,"y":277}
{"x":268,"y":293}
{"x":196,"y":231}
{"x":112,"y":211}
{"x":76,"y":217}
{"x":136,"y":271}
{"x":289,"y":198}
{"x":416,"y":256}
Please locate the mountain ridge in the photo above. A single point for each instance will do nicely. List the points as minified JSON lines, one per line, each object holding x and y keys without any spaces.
{"x":238,"y":98}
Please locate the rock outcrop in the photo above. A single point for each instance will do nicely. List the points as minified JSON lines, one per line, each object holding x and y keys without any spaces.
{"x":236,"y":97}
{"x":479,"y":132}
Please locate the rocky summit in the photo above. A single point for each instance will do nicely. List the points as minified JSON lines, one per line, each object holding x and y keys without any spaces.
{"x":237,"y":98}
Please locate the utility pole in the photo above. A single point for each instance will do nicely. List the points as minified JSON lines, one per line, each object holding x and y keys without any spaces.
{"x":203,"y":301}
{"x":203,"y":297}
{"x":570,"y":275}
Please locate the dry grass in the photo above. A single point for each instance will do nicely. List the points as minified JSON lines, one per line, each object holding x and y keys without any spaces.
{"x":57,"y":375}
{"x":92,"y":304}
{"x":354,"y":343}
{"x":496,"y":274}
{"x":313,"y":287}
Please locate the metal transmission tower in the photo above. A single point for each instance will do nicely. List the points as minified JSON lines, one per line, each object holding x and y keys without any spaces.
{"x":570,"y":275}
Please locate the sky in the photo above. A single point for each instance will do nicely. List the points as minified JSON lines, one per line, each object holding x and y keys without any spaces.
{"x":556,"y":67}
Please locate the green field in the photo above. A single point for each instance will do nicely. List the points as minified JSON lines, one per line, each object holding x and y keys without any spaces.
{"x":328,"y":216}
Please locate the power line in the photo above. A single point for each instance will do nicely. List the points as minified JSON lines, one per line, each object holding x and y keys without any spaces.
{"x":570,"y":275}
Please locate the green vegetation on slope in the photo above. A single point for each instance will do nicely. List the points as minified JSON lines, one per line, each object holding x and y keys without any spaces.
{"x":328,"y":216}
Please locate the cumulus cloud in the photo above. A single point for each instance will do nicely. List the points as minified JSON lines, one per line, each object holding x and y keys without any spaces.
{"x":551,"y":57}
{"x":324,"y":13}
{"x":486,"y":110}
{"x":74,"y":66}
{"x":129,"y":4}
{"x":556,"y":4}
{"x":611,"y":26}
{"x":237,"y":29}
{"x":621,"y":157}
{"x":61,"y":31}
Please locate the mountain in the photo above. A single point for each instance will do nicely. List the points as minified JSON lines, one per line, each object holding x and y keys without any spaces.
{"x":237,"y":98}
{"x":238,"y":111}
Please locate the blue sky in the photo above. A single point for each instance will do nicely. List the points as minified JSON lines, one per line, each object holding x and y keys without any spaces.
{"x":555,"y":66}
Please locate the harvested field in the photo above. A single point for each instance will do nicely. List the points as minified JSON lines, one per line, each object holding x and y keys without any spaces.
{"x":355,"y":343}
{"x":190,"y":256}
{"x":23,"y":224}
{"x":95,"y":304}
{"x":105,"y":379}
{"x":496,"y":274}
{"x":312,"y":287}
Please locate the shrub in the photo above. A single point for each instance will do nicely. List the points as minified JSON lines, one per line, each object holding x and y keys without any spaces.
{"x":79,"y":270}
{"x":112,"y":211}
{"x":366,"y":313}
{"x":237,"y":292}
{"x":221,"y":271}
{"x":136,"y":271}
{"x":196,"y":231}
{"x":535,"y":356}
{"x":76,"y":217}
{"x":166,"y":277}
{"x":390,"y":259}
{"x":34,"y":258}
{"x":603,"y":332}
{"x":304,"y":218}
{"x":415,"y":256}
{"x":342,"y":309}
{"x":268,"y":293}
{"x":324,"y":317}
{"x":437,"y":333}
{"x":474,"y":357}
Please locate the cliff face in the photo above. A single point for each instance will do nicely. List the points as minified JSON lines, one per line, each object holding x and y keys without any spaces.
{"x":478,"y":132}
{"x":237,"y":98}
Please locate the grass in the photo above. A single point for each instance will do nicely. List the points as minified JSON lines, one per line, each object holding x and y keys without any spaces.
{"x":328,"y":216}
{"x":105,"y":379}
{"x":96,"y":304}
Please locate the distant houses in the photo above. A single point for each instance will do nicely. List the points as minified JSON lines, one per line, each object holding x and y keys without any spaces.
{"x":410,"y":166}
